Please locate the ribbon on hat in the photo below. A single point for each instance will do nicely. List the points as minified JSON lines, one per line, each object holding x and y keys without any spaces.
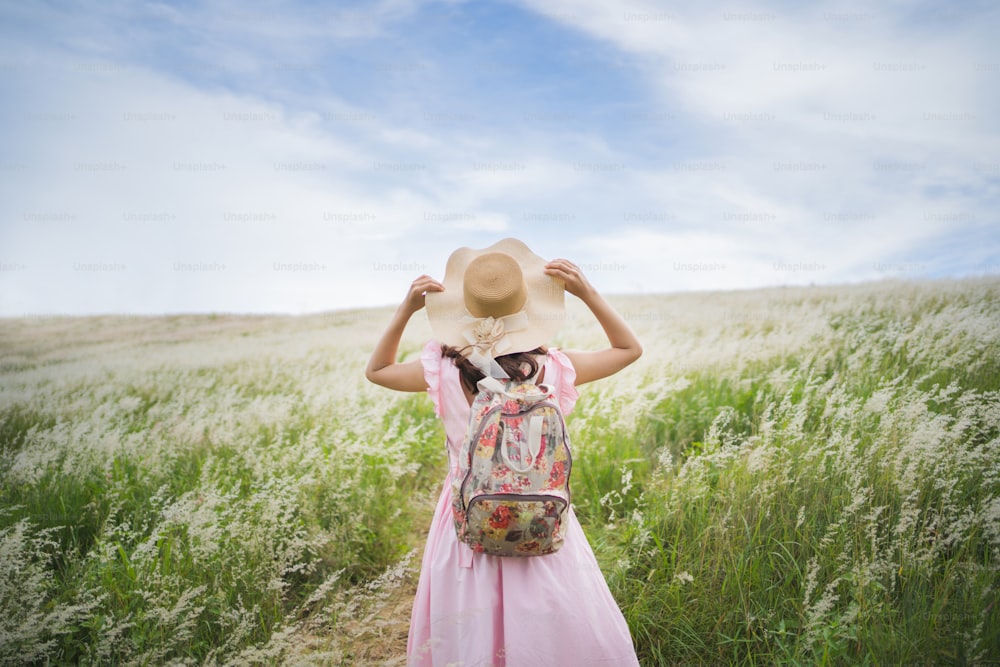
{"x":487,"y":336}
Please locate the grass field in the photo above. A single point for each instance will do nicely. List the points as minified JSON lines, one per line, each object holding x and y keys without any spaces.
{"x":787,"y":476}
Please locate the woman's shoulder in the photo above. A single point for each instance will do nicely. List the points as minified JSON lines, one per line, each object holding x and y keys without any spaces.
{"x":433,"y":360}
{"x":561,"y":375}
{"x":557,"y":356}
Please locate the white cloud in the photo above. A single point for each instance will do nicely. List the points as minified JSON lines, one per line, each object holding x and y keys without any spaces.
{"x":847,"y":128}
{"x":148,"y":174}
{"x":143,"y":193}
{"x":772,"y":165}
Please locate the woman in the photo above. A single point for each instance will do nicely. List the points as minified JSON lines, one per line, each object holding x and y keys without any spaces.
{"x":492,"y":315}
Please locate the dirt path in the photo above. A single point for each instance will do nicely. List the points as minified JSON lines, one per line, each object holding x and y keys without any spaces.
{"x":378,"y":637}
{"x":382,"y":641}
{"x":378,"y":640}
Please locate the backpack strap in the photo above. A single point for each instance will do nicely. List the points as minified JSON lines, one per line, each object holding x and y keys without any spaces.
{"x":495,"y":386}
{"x":536,"y":424}
{"x":492,"y":385}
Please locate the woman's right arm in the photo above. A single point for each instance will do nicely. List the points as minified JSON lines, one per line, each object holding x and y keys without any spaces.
{"x":382,"y":368}
{"x":625,"y":347}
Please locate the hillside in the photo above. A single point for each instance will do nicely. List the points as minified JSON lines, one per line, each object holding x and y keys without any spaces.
{"x":788,"y":475}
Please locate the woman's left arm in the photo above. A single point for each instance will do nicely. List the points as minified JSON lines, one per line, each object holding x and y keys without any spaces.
{"x":624,"y":345}
{"x":382,"y":368}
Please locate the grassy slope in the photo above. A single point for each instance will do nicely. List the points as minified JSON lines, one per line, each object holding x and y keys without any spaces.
{"x":788,"y":475}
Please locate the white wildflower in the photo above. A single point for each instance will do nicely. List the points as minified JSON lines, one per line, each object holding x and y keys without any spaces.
{"x":683,"y":577}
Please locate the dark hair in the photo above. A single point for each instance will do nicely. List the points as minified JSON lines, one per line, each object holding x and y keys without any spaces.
{"x":513,"y":364}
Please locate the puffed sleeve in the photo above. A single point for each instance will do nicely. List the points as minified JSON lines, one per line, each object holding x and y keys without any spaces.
{"x":559,"y":372}
{"x":430,"y":358}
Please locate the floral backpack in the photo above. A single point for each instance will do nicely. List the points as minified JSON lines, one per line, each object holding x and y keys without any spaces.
{"x":511,"y":493}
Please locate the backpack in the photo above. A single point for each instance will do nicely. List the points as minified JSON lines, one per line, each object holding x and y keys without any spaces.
{"x":511,"y":493}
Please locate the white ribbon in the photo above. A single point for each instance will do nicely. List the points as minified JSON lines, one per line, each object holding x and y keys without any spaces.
{"x":488,"y":338}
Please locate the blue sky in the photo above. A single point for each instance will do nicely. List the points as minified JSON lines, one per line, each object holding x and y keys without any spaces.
{"x":302,"y":157}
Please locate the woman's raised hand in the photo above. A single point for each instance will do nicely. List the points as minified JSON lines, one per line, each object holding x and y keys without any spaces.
{"x":625,"y":347}
{"x":569,"y":273}
{"x":421,"y":286}
{"x":382,"y":368}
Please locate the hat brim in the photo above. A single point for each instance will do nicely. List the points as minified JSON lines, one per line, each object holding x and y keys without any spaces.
{"x":545,"y":305}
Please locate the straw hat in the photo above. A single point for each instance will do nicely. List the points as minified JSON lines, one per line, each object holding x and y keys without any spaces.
{"x":496,"y":301}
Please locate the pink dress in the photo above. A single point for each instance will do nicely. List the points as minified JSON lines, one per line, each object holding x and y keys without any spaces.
{"x":478,"y":610}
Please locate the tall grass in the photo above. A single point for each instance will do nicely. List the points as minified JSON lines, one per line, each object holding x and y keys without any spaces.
{"x":834,"y":503}
{"x":201,"y":507}
{"x":788,"y":476}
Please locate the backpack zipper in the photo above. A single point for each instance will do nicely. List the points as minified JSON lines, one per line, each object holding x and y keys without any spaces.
{"x":519,"y":497}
